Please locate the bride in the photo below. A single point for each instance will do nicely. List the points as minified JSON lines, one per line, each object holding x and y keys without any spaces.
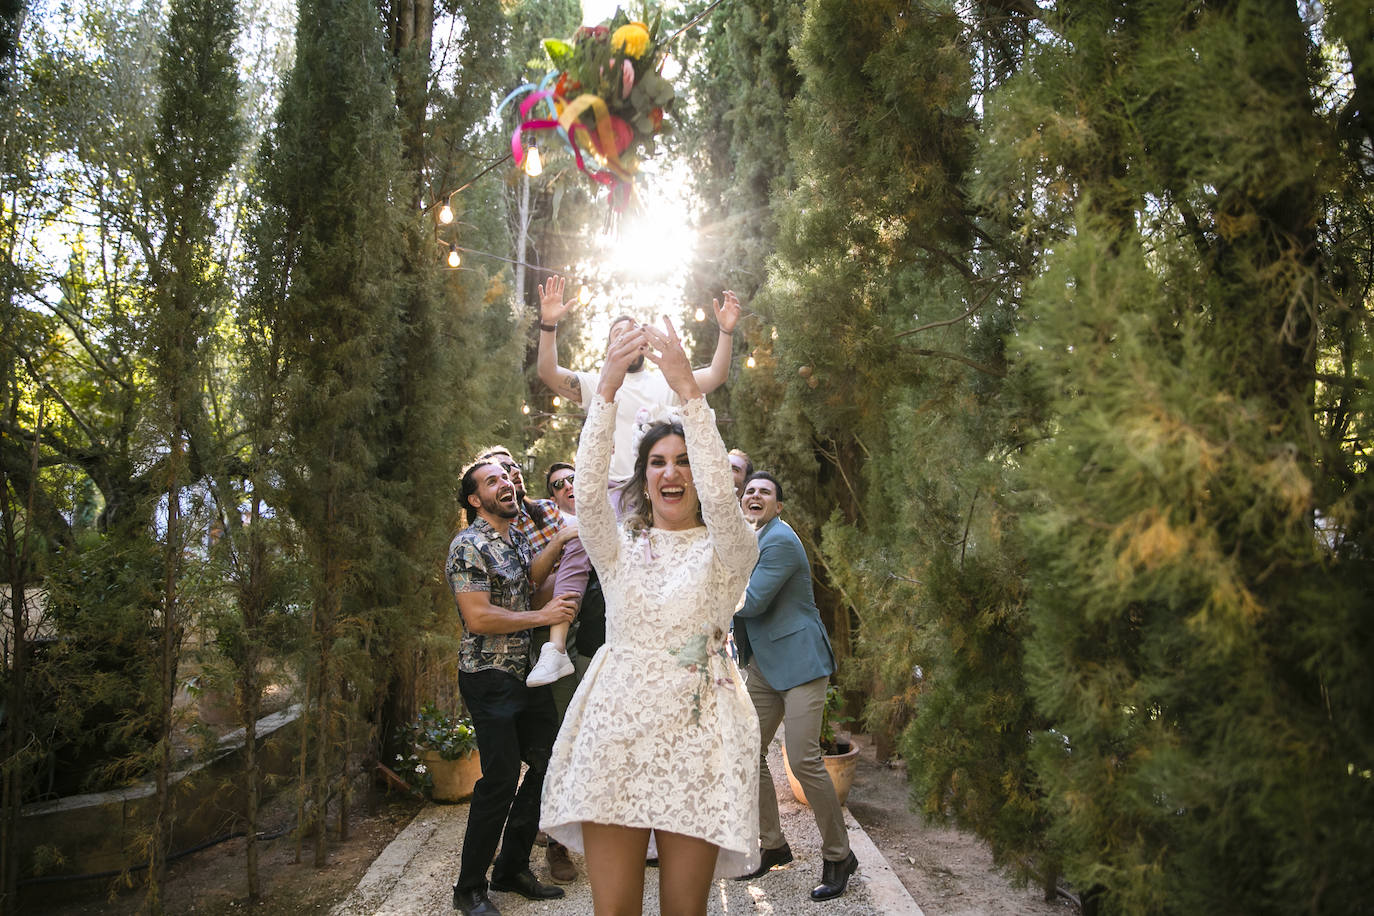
{"x":658,"y":752}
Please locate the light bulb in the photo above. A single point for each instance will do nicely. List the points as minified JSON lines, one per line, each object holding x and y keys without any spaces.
{"x":445,"y":214}
{"x":750,"y":362}
{"x":701,"y":314}
{"x":557,"y":401}
{"x":584,"y":295}
{"x":525,"y":409}
{"x":534,"y":165}
{"x":454,"y":258}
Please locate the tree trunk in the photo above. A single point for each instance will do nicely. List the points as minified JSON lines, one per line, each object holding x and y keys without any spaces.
{"x":171,"y":643}
{"x":16,"y":692}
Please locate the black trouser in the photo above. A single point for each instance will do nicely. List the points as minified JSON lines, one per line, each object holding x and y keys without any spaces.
{"x":513,"y":723}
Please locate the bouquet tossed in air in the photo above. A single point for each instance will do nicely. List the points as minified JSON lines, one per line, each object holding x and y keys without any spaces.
{"x":609,"y":93}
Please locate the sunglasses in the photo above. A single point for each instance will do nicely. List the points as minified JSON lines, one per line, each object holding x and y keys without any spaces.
{"x":558,"y":485}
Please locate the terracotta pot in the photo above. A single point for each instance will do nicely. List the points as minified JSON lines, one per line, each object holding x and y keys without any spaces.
{"x":841,"y":768}
{"x":453,"y":779}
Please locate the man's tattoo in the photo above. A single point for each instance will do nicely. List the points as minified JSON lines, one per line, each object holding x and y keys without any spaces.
{"x":573,"y":385}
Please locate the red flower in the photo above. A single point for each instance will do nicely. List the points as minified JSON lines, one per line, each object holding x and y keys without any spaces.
{"x":624,"y":136}
{"x":563,"y":87}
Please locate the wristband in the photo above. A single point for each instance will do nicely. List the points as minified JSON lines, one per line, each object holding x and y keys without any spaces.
{"x":547,"y":327}
{"x":729,"y":333}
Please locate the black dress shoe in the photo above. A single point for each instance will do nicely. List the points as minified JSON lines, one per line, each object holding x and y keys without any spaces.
{"x":474,"y":903}
{"x":768,"y":859}
{"x":526,"y":885}
{"x":835,"y":877}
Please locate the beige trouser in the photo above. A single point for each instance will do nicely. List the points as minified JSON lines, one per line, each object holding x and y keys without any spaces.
{"x":799,"y":711}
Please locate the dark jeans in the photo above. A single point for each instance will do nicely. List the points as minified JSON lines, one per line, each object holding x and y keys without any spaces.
{"x":513,"y":723}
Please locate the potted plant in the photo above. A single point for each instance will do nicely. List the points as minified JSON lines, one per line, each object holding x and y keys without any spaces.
{"x":838,"y":751}
{"x":448,"y":751}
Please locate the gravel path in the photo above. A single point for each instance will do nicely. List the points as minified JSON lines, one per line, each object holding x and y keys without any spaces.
{"x":414,"y":875}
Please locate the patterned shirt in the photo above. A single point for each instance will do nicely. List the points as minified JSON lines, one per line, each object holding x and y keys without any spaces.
{"x":480,"y":560}
{"x":539,"y":534}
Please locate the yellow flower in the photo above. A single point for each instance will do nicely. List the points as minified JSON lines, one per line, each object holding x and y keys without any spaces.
{"x":632,"y":39}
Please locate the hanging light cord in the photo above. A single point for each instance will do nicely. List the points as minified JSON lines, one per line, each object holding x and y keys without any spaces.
{"x":497,"y":257}
{"x":699,"y":16}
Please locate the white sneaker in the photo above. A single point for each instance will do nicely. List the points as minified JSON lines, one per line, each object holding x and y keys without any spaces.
{"x":552,"y":665}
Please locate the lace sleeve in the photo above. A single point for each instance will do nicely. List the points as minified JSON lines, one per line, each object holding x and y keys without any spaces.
{"x":596,"y":524}
{"x":734,"y":541}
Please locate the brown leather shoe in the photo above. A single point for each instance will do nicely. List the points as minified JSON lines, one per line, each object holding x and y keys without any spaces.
{"x":561,"y":867}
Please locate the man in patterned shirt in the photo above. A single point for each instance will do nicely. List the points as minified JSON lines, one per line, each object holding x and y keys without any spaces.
{"x":542,"y":521}
{"x":493,"y":574}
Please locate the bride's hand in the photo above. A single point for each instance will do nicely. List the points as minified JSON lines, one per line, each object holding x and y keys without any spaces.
{"x":671,"y":359}
{"x":623,"y":351}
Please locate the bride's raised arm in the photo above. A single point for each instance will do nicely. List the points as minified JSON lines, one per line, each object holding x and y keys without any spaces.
{"x":733,"y":538}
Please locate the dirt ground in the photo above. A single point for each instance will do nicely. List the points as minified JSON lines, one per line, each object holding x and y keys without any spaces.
{"x":213,"y":882}
{"x":947,"y":872}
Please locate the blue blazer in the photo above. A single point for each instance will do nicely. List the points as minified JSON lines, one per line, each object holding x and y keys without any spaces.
{"x":779,"y":625}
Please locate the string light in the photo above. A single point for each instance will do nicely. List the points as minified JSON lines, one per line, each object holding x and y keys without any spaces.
{"x":534,"y":164}
{"x":584,"y":295}
{"x":454,"y":258}
{"x":750,"y":363}
{"x":557,"y":401}
{"x":445,"y":212}
{"x":701,"y":314}
{"x":525,"y":409}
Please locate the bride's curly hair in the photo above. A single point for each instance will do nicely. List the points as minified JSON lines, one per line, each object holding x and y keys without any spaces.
{"x":635,"y":511}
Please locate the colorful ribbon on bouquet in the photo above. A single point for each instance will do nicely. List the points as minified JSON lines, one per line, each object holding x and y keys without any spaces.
{"x":567,"y":121}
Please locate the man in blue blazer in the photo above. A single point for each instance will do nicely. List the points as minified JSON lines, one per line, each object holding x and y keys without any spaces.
{"x":787,"y":660}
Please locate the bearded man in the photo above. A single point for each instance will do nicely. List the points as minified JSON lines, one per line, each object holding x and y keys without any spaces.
{"x":493,"y":574}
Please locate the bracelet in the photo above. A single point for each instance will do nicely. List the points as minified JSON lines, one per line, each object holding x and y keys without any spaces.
{"x":722,"y":330}
{"x":547,"y":327}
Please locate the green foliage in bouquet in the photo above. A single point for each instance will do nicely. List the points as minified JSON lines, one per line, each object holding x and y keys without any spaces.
{"x":617,"y":61}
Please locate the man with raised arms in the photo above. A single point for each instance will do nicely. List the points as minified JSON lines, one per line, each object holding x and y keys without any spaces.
{"x":643,"y":387}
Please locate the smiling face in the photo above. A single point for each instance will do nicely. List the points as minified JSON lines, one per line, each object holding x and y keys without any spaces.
{"x":503,"y":458}
{"x":668,"y":479}
{"x":561,"y":485}
{"x":760,"y":501}
{"x":495,"y":497}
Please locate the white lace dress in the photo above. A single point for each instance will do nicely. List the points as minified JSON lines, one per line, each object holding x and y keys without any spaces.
{"x":661,"y":732}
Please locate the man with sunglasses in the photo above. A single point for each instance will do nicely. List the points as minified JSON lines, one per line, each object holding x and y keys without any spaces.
{"x":570,"y":646}
{"x":575,"y":576}
{"x":553,"y":662}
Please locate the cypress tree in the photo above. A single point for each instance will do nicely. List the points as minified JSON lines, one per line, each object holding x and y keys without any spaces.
{"x":445,"y":360}
{"x":1199,"y":517}
{"x":197,"y":141}
{"x":889,"y":297}
{"x":328,"y":249}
